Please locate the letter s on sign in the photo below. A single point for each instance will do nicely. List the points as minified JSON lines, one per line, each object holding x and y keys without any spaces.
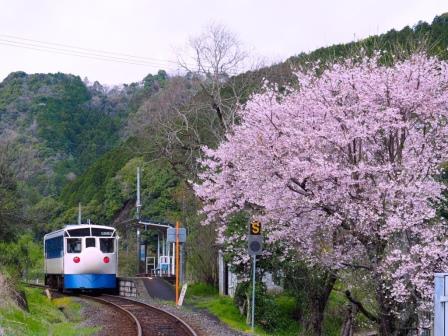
{"x":255,"y":228}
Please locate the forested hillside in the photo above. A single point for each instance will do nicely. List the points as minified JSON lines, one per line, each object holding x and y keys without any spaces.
{"x":66,"y":141}
{"x":62,"y":124}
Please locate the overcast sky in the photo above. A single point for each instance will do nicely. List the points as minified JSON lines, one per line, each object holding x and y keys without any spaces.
{"x":271,"y":29}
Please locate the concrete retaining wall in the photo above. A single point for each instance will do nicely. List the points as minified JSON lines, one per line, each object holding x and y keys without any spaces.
{"x":127,"y":288}
{"x":133,"y":287}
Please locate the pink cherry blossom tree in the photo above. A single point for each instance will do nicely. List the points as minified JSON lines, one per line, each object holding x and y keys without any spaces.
{"x":344,"y":170}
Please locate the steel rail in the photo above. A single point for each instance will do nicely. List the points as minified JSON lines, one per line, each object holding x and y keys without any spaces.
{"x":185,"y":326}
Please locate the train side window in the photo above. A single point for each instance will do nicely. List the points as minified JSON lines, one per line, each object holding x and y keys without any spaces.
{"x":90,"y":242}
{"x":107,"y":245}
{"x":73,"y":245}
{"x":54,"y":247}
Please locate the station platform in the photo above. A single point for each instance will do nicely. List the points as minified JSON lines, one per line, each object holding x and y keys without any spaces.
{"x":147,"y":288}
{"x":159,"y":288}
{"x":171,"y":279}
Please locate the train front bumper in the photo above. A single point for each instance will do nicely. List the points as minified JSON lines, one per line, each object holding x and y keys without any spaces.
{"x":90,"y":281}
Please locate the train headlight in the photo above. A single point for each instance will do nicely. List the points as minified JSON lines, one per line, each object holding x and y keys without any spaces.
{"x":76,"y":260}
{"x":106,"y":260}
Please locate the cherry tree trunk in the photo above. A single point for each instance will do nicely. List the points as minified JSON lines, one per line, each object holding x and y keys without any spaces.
{"x":347,"y":326}
{"x":318,"y":302}
{"x":387,"y":321}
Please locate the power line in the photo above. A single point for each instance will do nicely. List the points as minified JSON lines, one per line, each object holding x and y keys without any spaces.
{"x":74,"y":54}
{"x":78,"y":53}
{"x":96,"y":54}
{"x":89,"y":50}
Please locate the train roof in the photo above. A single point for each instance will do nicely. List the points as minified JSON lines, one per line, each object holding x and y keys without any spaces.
{"x":77,"y":226}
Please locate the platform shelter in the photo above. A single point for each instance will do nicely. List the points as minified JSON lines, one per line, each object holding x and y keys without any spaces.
{"x":157,"y":252}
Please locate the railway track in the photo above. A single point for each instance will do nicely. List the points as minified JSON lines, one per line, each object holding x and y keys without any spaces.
{"x":146,"y":319}
{"x":153,"y":321}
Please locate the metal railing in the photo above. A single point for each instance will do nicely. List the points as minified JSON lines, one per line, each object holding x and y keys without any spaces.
{"x":161,"y":268}
{"x":151,"y":265}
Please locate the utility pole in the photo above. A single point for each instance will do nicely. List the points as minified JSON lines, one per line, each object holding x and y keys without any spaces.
{"x":138,"y":206}
{"x":79,"y":213}
{"x":177,"y":263}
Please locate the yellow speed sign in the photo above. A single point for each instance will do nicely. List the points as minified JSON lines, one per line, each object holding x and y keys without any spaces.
{"x":255,"y":227}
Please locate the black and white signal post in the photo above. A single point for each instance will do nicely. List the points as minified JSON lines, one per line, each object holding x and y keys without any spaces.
{"x":255,"y":247}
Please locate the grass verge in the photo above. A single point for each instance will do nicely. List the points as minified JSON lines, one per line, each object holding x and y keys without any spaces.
{"x":206,"y":297}
{"x":45,"y":317}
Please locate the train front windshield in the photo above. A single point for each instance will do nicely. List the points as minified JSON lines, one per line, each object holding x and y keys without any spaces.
{"x":95,"y":232}
{"x":73,"y":245}
{"x":107,"y":245}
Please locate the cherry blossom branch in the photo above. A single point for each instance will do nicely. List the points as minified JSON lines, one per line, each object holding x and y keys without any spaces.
{"x":361,"y":308}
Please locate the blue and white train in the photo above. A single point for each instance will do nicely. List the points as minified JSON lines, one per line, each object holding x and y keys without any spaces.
{"x":81,"y":257}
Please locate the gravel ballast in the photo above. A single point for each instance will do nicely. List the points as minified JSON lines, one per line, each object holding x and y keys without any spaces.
{"x":111,"y":320}
{"x":203,"y":323}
